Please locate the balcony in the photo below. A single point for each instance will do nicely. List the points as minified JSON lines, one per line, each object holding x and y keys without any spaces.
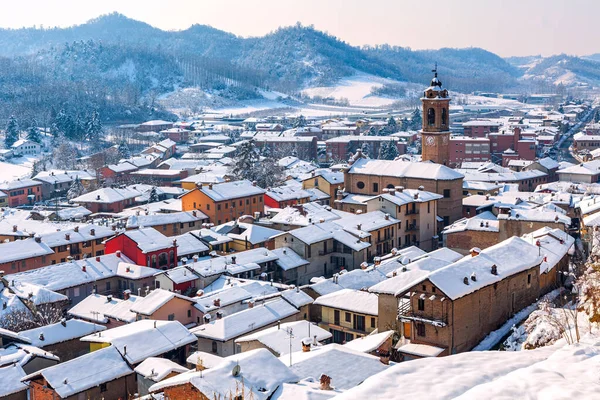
{"x":405,"y":312}
{"x":412,"y":212}
{"x":411,"y":227}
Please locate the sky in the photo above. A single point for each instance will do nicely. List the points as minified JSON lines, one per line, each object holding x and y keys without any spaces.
{"x":505,"y":27}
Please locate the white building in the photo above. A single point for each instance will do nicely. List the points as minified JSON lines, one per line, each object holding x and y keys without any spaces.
{"x":26,"y":147}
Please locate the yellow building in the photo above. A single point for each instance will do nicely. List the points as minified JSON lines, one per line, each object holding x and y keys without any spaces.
{"x":347,"y":314}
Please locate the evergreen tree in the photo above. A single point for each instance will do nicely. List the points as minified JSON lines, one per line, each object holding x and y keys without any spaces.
{"x":299,"y":121}
{"x":153,"y":198}
{"x":76,"y":189}
{"x":64,"y":154}
{"x":392,"y":126}
{"x":123,"y":150}
{"x":392,"y":150}
{"x":11,"y":135}
{"x":372,"y":131}
{"x":366,"y":149}
{"x":93,"y":129}
{"x":416,"y":120}
{"x":33,"y":132}
{"x":247,"y":158}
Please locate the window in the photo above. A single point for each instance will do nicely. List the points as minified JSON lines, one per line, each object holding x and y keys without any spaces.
{"x":247,"y":201}
{"x":348,"y":317}
{"x":171,"y":317}
{"x":336,"y":317}
{"x":446,"y":193}
{"x":421,"y":304}
{"x":226,"y":205}
{"x":214,"y":347}
{"x":103,"y":387}
{"x":431,"y":116}
{"x":528,"y":279}
{"x":218,"y":207}
{"x":372,"y":322}
{"x":360,"y":185}
{"x":76,"y":292}
{"x":108,"y":286}
{"x":420,"y":329}
{"x":164,"y":227}
{"x":375,"y":187}
{"x":359,"y":322}
{"x":428,"y":207}
{"x":189,"y":313}
{"x":444,"y":116}
{"x":208,"y":206}
{"x":349,"y":337}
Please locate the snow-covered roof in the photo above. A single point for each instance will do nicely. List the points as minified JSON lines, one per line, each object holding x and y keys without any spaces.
{"x":311,"y":212}
{"x":586,"y":168}
{"x":208,"y":360}
{"x":334,"y":360}
{"x":149,"y":239}
{"x":156,"y":299}
{"x":369,"y":343}
{"x":10,"y":380}
{"x":357,"y":301}
{"x":277,"y":338}
{"x":510,"y":257}
{"x":188,"y":245}
{"x":360,"y":224}
{"x":145,"y":338}
{"x":22,"y":354}
{"x":231,"y":190}
{"x":61,"y":332}
{"x":219,"y":265}
{"x":136,"y":221}
{"x":406,"y":169}
{"x":107,"y":195}
{"x":81,"y":233}
{"x":157,"y":369}
{"x":240,"y":323}
{"x":286,"y":193}
{"x":254,"y":234}
{"x":484,"y":222}
{"x":554,"y":244}
{"x":296,"y":297}
{"x":421,"y":350}
{"x":289,"y":259}
{"x":79,"y":374}
{"x":408,"y":196}
{"x":98,"y":308}
{"x":69,"y":274}
{"x":22,"y":250}
{"x":261,"y":373}
{"x":330,"y":230}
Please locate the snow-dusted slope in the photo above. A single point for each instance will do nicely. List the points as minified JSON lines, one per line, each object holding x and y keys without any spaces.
{"x":556,"y":372}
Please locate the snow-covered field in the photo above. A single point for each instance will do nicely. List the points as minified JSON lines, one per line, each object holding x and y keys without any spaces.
{"x":356,"y":89}
{"x":18,"y":167}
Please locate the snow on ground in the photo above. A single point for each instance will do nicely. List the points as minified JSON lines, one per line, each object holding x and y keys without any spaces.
{"x":494,"y":337}
{"x":556,"y":372}
{"x":10,"y":172}
{"x":356,"y":88}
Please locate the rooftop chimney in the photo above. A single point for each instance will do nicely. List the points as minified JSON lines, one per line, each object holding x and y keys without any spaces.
{"x":98,"y":258}
{"x":76,"y":229}
{"x":233,"y":259}
{"x":83,"y":268}
{"x":194,"y":213}
{"x":305,"y":346}
{"x":126,"y":294}
{"x":475,"y":251}
{"x":210,"y":186}
{"x":251,"y":304}
{"x":474,"y":277}
{"x":118,"y":253}
{"x":384,"y":357}
{"x":38,"y":239}
{"x":67,"y":236}
{"x":41,"y":336}
{"x":494,"y":270}
{"x":219,"y":314}
{"x":325,"y":382}
{"x":93,"y":232}
{"x":217,"y":302}
{"x":466,"y":280}
{"x":400,"y":189}
{"x":14,"y":228}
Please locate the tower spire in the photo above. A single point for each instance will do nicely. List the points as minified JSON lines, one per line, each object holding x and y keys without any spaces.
{"x":434,"y":70}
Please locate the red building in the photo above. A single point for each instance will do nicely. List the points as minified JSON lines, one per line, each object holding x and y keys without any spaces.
{"x":480,"y":128}
{"x":463,"y":148}
{"x":22,"y":191}
{"x":339,"y":148}
{"x":286,"y":196}
{"x":178,"y":135}
{"x":145,"y":247}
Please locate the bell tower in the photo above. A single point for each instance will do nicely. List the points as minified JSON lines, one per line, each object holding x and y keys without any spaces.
{"x":435,"y":132}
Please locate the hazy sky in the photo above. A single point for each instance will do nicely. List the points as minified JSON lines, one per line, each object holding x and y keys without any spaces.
{"x":506,"y":27}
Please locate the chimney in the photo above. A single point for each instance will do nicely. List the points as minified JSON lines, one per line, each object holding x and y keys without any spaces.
{"x":219,"y":314}
{"x":93,"y":232}
{"x":233,"y":259}
{"x":384,"y":357}
{"x":98,"y":197}
{"x":253,"y":183}
{"x":200,"y":186}
{"x":63,"y":322}
{"x":400,"y":189}
{"x":305,"y":347}
{"x":466,"y":280}
{"x":278,"y":325}
{"x":314,"y":339}
{"x":124,"y":350}
{"x":118,"y":253}
{"x":475,"y":251}
{"x":38,"y":239}
{"x":14,"y":228}
{"x":421,"y":187}
{"x":109,"y":298}
{"x":41,"y":336}
{"x":377,"y":261}
{"x":487,"y":196}
{"x":76,"y":229}
{"x":98,"y":258}
{"x":67,"y":236}
{"x":325,"y":382}
{"x":251,"y":304}
{"x":126,"y":294}
{"x":174,"y":242}
{"x":416,"y":196}
{"x":494,"y":270}
{"x":206,"y":318}
{"x":392,"y":191}
{"x":217,"y":302}
{"x":358,"y":226}
{"x":474,"y":277}
{"x":83,"y":268}
{"x":210,"y":186}
{"x":387,"y":217}
{"x":137,"y":213}
{"x":194,"y":213}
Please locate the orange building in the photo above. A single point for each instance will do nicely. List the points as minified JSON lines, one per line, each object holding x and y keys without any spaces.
{"x":22,"y":191}
{"x":226,"y":201}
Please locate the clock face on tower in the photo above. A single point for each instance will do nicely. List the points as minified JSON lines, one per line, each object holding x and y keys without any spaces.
{"x":429,"y":140}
